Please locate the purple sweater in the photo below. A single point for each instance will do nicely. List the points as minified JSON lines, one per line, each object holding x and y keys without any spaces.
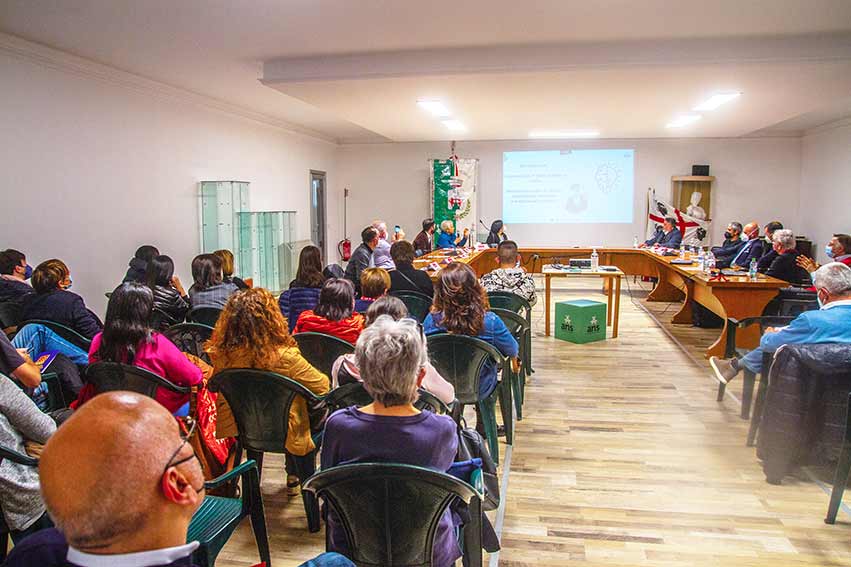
{"x":425,"y":440}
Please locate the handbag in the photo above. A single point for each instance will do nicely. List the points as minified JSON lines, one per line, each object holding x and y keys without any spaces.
{"x":471,"y":445}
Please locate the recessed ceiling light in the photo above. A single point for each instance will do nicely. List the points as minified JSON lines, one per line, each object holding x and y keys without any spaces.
{"x":683,"y":120}
{"x":454,"y":125}
{"x":564,"y":134}
{"x":715,"y":101}
{"x":435,"y":107}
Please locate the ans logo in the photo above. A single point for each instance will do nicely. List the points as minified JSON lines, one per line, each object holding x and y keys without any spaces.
{"x":567,"y":324}
{"x":593,"y":325}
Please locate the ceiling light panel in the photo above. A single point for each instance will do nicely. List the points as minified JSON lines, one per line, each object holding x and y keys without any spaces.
{"x":434,"y":107}
{"x":716,"y":100}
{"x":683,"y":120}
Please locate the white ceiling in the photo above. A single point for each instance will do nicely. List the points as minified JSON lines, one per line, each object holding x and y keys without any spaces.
{"x":218,"y":47}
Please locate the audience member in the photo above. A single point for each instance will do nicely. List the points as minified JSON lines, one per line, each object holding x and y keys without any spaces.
{"x":496,"y":234}
{"x":14,"y":273}
{"x":345,"y":369}
{"x":16,"y":363}
{"x":392,"y":356}
{"x":128,"y":338}
{"x":668,"y":235}
{"x":785,"y":266}
{"x":838,"y":250}
{"x":423,"y":242}
{"x":753,"y":249}
{"x":334,"y":314}
{"x":405,"y":277}
{"x":461,"y":307}
{"x":510,"y":276}
{"x":769,"y":255}
{"x":209,"y":289}
{"x":23,"y":428}
{"x":252,"y":333}
{"x":374,"y":283}
{"x":361,"y":256}
{"x":829,"y":324}
{"x":303,"y":293}
{"x":226,"y":257}
{"x":733,"y":242}
{"x":381,"y":255}
{"x":138,"y":267}
{"x":170,"y":298}
{"x":447,"y":238}
{"x":53,"y":302}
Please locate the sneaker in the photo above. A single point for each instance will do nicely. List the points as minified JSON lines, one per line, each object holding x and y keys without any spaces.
{"x":725,"y":370}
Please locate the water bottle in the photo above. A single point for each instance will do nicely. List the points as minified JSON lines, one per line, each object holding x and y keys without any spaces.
{"x":752,"y":269}
{"x":701,"y":259}
{"x":635,"y":241}
{"x":682,"y":252}
{"x":710,"y":262}
{"x":595,"y":261}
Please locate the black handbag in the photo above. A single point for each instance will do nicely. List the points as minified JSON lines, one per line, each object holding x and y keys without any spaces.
{"x":471,"y":445}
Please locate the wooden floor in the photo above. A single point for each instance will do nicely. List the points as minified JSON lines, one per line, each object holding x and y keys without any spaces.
{"x":624,"y":458}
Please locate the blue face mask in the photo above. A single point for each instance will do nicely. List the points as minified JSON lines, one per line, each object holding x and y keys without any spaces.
{"x":829,"y":251}
{"x":28,"y":273}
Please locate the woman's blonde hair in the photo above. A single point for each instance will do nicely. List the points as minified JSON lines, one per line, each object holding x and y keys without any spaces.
{"x":374,"y":282}
{"x":226,"y":256}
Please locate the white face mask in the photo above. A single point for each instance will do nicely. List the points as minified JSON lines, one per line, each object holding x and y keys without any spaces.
{"x":744,"y":238}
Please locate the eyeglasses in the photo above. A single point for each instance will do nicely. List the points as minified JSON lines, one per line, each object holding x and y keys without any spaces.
{"x":177,"y":451}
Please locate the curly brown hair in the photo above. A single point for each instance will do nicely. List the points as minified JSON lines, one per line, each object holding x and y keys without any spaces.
{"x":461,"y":299}
{"x":252,"y":320}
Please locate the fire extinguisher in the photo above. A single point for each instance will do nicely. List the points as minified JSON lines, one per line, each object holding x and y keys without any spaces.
{"x":344,"y":247}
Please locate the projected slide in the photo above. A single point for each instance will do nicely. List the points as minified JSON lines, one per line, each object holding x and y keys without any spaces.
{"x":567,"y":186}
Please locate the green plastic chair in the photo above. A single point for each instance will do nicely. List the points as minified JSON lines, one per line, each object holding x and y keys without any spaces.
{"x":513,"y":302}
{"x":404,"y":504}
{"x":111,"y":376}
{"x":218,"y":517}
{"x":66,"y":333}
{"x":354,"y":394}
{"x":321,"y":350}
{"x":418,"y":304}
{"x":204,"y":315}
{"x":190,"y":338}
{"x":459,"y":359}
{"x":519,"y":329}
{"x":260,"y":401}
{"x":21,"y":459}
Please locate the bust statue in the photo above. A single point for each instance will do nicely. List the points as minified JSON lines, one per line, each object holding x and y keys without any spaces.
{"x":695,"y":210}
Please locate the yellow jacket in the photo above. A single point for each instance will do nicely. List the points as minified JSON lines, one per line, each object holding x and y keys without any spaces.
{"x":290,"y":364}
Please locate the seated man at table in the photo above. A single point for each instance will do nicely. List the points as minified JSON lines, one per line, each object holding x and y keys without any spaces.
{"x":769,"y":255}
{"x":753,"y":249}
{"x":668,"y":235}
{"x":733,"y":242}
{"x":510,"y":276}
{"x":785,"y":266}
{"x":830,"y":324}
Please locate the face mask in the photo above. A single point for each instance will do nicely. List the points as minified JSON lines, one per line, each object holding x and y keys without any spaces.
{"x":28,"y":272}
{"x":745,"y":238}
{"x":829,"y":251}
{"x":768,"y":239}
{"x":70,"y":283}
{"x":728,"y":235}
{"x":820,"y":302}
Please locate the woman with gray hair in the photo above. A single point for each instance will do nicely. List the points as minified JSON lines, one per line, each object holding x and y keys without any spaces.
{"x":392,"y":358}
{"x":785,"y":266}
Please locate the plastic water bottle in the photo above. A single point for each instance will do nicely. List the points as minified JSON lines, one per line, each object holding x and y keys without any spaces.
{"x":635,"y":241}
{"x":595,"y":261}
{"x":701,"y":259}
{"x":752,"y":269}
{"x":710,"y":261}
{"x":682,"y":252}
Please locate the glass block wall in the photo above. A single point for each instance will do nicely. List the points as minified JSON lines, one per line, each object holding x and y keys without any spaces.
{"x":266,"y":250}
{"x":220,"y":201}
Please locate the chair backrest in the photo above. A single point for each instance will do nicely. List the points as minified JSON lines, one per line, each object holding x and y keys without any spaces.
{"x":110,"y":376}
{"x":509,"y":301}
{"x":160,"y":320}
{"x":517,"y":324}
{"x":404,"y":505}
{"x":321,"y":350}
{"x":10,"y":315}
{"x":418,"y":304}
{"x":205,"y":315}
{"x":354,"y":394}
{"x":459,"y":359}
{"x":190,"y":338}
{"x":66,"y":333}
{"x":794,"y":307}
{"x":260,"y":401}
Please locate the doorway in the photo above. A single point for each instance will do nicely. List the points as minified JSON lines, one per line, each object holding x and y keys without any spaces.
{"x":317,"y":209}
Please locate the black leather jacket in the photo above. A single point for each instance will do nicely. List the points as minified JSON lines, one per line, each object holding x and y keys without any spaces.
{"x":169,"y":301}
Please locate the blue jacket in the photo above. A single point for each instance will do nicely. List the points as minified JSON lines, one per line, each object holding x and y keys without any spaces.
{"x":297,"y":299}
{"x":830,"y":324}
{"x":63,"y":307}
{"x":752,"y":250}
{"x":446,"y":240}
{"x":494,"y":332}
{"x":671,"y":240}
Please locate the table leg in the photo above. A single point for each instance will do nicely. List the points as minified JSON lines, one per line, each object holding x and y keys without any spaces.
{"x":547,"y":287}
{"x":609,"y":291}
{"x":617,"y":307}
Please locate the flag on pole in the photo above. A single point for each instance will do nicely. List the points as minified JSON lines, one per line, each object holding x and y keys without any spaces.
{"x":695,"y":231}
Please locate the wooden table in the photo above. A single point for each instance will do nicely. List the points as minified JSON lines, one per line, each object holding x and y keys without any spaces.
{"x":613,"y":278}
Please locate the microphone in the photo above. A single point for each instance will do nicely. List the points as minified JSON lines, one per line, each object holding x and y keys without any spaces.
{"x":484,"y":225}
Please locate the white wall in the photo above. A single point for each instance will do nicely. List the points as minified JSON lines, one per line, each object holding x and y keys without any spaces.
{"x":91,"y":170}
{"x":826,"y":184}
{"x":756,"y":179}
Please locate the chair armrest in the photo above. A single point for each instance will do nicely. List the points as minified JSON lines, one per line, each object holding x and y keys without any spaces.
{"x":230,"y":475}
{"x":15,"y":457}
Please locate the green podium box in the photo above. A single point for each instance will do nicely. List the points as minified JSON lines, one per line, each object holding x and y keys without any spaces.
{"x":580,"y":321}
